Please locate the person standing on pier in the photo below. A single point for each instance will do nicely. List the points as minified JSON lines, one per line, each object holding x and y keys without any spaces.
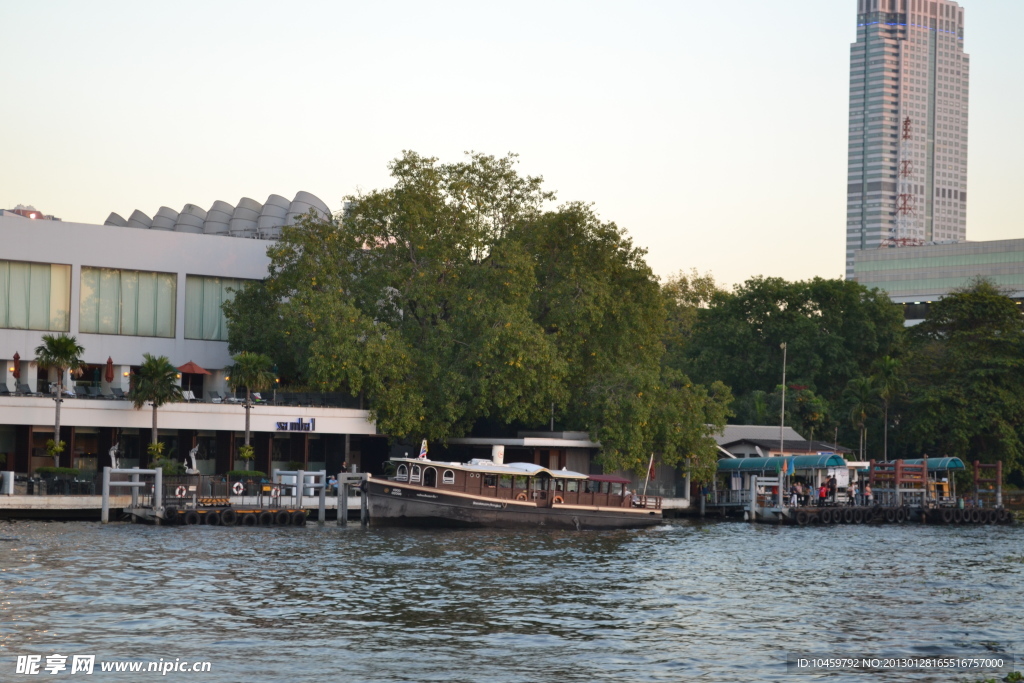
{"x":832,"y":489}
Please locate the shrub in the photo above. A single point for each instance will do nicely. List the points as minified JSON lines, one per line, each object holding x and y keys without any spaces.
{"x":236,"y":474}
{"x":54,"y":471}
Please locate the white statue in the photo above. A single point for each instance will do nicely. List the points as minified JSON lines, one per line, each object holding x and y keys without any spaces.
{"x":113,"y":456}
{"x":192,"y":454}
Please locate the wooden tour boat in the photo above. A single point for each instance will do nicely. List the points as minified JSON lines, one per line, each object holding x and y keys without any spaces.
{"x":491,"y":493}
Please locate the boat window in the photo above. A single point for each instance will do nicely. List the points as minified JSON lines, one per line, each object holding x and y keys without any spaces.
{"x":540,"y":483}
{"x":521,"y":482}
{"x":557,"y":485}
{"x":402,"y":474}
{"x":448,"y":477}
{"x":430,"y":477}
{"x":490,"y":479}
{"x":617,"y":488}
{"x":505,"y":481}
{"x":415,"y":476}
{"x":593,"y":486}
{"x":604,"y":486}
{"x":572,"y":486}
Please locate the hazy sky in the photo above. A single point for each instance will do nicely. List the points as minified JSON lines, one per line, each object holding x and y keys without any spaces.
{"x":715,"y":132}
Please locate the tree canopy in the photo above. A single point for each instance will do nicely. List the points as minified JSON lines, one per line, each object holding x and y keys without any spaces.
{"x":965,"y":378}
{"x":458,"y":297}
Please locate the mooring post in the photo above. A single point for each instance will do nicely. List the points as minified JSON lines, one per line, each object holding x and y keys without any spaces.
{"x":753,"y":497}
{"x":342,"y":500}
{"x":703,"y":500}
{"x":999,"y":483}
{"x":300,"y":479}
{"x":323,"y":497}
{"x":8,"y":479}
{"x":135,"y":489}
{"x":105,"y":513}
{"x":157,"y":502}
{"x":364,"y":511}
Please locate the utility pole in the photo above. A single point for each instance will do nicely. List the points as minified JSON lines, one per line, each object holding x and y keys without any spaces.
{"x":782,"y":419}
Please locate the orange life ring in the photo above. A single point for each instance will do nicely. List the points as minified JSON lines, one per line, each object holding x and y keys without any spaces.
{"x":557,"y":499}
{"x":521,"y":496}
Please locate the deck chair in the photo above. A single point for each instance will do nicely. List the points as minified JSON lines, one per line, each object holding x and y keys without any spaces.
{"x":4,"y":391}
{"x":81,"y":392}
{"x":24,"y":390}
{"x":215,"y":397}
{"x":118,"y":393}
{"x":94,"y":392}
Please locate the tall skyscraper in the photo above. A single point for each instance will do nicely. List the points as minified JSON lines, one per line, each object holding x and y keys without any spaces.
{"x":907,"y":169}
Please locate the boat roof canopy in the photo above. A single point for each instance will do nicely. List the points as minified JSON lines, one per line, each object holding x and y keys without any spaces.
{"x":489,"y":467}
{"x":796,"y":462}
{"x":608,"y":477}
{"x":939,"y":464}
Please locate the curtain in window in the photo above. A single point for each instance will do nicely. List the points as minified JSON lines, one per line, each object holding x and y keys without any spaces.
{"x":127,"y":302}
{"x":193,"y":307}
{"x":204,"y":296}
{"x":60,"y":298}
{"x":34,"y":296}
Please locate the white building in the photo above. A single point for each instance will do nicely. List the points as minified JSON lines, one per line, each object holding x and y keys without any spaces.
{"x":908,"y":71}
{"x":151,"y":286}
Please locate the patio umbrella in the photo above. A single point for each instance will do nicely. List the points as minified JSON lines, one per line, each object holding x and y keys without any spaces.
{"x":192,"y":369}
{"x":109,"y":374}
{"x":17,"y":366}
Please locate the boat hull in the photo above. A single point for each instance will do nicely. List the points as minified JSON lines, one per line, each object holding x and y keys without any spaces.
{"x":392,"y":503}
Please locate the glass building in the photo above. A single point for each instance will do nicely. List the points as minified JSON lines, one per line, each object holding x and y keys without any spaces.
{"x":908,"y":73}
{"x":914,"y":277}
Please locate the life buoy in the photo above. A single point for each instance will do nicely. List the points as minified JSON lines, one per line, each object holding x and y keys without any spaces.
{"x":275,"y":492}
{"x":557,"y":499}
{"x":521,"y":496}
{"x":238,"y":488}
{"x":282,"y":518}
{"x":229,"y":518}
{"x":180,"y":491}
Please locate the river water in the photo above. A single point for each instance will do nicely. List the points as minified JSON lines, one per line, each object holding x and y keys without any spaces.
{"x":710,"y":601}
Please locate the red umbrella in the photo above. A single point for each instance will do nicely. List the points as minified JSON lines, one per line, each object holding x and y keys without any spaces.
{"x":109,"y":374}
{"x":192,"y":369}
{"x":17,"y":366}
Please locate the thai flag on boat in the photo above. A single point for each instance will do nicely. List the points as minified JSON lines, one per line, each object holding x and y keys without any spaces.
{"x":423,"y":451}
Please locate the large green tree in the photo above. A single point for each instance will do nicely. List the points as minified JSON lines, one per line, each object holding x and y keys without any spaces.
{"x":254,"y":372}
{"x":457,"y":297}
{"x":155,"y":382}
{"x":965,"y":376}
{"x":63,"y":354}
{"x":835,"y":330}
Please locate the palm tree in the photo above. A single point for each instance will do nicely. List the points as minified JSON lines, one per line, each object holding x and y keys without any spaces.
{"x":252,"y":371}
{"x":889,"y":385}
{"x":860,"y":393}
{"x":156,"y":383}
{"x":62,"y":353}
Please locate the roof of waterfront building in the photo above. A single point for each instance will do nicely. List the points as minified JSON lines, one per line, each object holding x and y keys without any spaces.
{"x":734,"y":433}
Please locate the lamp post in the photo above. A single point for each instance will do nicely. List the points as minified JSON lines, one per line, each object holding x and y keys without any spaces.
{"x":782,"y":419}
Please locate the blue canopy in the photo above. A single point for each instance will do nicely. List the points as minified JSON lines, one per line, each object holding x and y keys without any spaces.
{"x":939,"y":464}
{"x":795,"y":462}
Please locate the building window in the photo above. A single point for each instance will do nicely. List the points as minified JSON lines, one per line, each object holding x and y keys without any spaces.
{"x":204,"y":317}
{"x":35,"y":296}
{"x":128,"y":302}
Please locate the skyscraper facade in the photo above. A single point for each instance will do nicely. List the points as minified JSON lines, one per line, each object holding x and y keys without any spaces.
{"x":907,"y":169}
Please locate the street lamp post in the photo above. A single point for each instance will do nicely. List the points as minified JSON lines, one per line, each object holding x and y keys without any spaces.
{"x":782,"y":420}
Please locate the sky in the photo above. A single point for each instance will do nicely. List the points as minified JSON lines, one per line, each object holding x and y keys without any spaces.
{"x":715,"y":133}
